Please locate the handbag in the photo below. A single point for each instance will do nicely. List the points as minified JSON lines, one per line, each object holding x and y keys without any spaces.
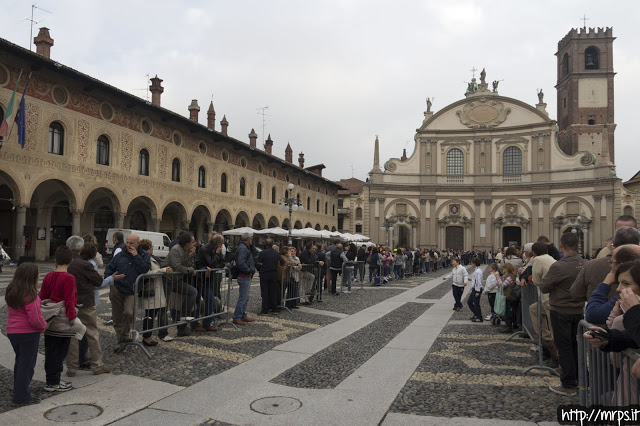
{"x":500,"y":304}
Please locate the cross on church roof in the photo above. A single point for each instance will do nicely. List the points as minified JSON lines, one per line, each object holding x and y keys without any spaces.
{"x":473,"y":70}
{"x":584,"y":19}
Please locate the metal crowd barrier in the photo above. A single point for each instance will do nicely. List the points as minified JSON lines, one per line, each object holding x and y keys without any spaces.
{"x":604,"y":378}
{"x":408,"y":268}
{"x":290,"y":286}
{"x":530,"y":294}
{"x":360,"y":271}
{"x":174,"y":300}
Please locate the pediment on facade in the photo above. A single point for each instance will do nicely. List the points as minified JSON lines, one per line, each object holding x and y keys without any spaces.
{"x":479,"y":113}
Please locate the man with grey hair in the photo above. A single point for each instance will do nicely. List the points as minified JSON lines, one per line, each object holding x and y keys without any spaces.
{"x":595,"y":271}
{"x":131,"y":262}
{"x":87,"y":278}
{"x":246,"y":268}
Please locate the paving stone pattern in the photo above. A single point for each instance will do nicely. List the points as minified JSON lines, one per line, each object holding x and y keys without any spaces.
{"x":329,"y":367}
{"x":356,"y":301}
{"x":441,"y":289}
{"x":6,"y":393}
{"x":471,"y":371}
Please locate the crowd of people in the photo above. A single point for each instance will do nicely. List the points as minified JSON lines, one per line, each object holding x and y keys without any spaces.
{"x":65,"y":307}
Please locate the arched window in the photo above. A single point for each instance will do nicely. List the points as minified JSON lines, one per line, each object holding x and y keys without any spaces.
{"x":326,"y":208}
{"x":286,"y":193}
{"x":202,"y":177}
{"x":273,"y":195}
{"x":102,"y":154}
{"x":591,"y":58}
{"x":317,"y":206}
{"x":298,"y":199}
{"x":56,"y":138}
{"x":628,"y":210}
{"x":223,"y":183}
{"x":175,"y":170}
{"x":242,"y":187}
{"x":259,"y":191}
{"x":512,"y":161}
{"x":143,"y":163}
{"x":455,"y":162}
{"x":308,"y":203}
{"x":333,"y":209}
{"x":358,"y":213}
{"x":565,"y":64}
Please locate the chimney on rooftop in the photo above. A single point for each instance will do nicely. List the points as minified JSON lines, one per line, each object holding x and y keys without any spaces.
{"x":43,"y":42}
{"x":288,"y":154}
{"x":224,"y":124}
{"x":301,"y":160}
{"x":194,"y":109}
{"x":253,"y":137}
{"x":211,"y":117}
{"x":268,"y":144}
{"x":156,"y":90}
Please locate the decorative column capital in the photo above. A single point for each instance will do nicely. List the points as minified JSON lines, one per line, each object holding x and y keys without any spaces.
{"x":477,"y":202}
{"x":546,"y":200}
{"x":433,"y":201}
{"x":608,"y":197}
{"x":597,"y":198}
{"x":488,"y":202}
{"x":372,"y":200}
{"x":423,"y":201}
{"x":381,"y":200}
{"x":535,"y":201}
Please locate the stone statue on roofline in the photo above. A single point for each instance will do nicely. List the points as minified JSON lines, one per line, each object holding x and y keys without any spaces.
{"x":483,"y":75}
{"x":540,"y":96}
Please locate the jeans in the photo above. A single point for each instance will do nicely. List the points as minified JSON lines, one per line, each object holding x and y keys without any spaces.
{"x":474,"y":303}
{"x":55,"y":351}
{"x":457,"y":295}
{"x":565,"y":330}
{"x":426,"y":267}
{"x":334,"y":279}
{"x":348,"y":277}
{"x":25,"y":345}
{"x":244,"y":286}
{"x":208,"y":297}
{"x":397,"y":270}
{"x":189,"y":296}
{"x":373,"y":272}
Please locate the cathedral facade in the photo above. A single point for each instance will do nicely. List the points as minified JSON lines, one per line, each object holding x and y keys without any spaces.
{"x":488,"y":171}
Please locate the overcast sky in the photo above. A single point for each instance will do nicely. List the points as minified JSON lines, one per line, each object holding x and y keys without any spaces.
{"x":333,"y":73}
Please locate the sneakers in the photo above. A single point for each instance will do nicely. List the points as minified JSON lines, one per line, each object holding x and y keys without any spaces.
{"x":347,"y":291}
{"x":102,"y":370}
{"x":167,"y":338}
{"x":477,"y":320}
{"x":561,"y":390}
{"x":110,"y":322}
{"x":60,"y":387}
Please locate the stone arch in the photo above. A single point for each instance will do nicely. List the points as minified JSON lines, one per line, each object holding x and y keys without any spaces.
{"x":273,"y":222}
{"x":581,"y":200}
{"x":308,"y":225}
{"x":445,"y":203}
{"x":242,"y":219}
{"x":142,"y":210}
{"x":70,"y":188}
{"x":8,"y":178}
{"x":326,"y":227}
{"x":100,"y":191}
{"x":285,"y":223}
{"x":222,"y":221}
{"x":511,"y":201}
{"x":102,"y":210}
{"x":258,"y":222}
{"x":297,"y":225}
{"x":317,"y":227}
{"x":174,"y":219}
{"x":402,"y":200}
{"x":200,"y":223}
{"x":333,"y":229}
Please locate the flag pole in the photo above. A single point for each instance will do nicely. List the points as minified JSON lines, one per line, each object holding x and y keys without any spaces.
{"x":13,"y":122}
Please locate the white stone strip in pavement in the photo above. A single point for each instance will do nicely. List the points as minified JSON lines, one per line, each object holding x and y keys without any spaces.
{"x":322,"y":312}
{"x":363,"y":398}
{"x":118,"y":396}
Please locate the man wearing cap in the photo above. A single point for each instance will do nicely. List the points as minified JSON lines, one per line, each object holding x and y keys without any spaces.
{"x":246,"y":269}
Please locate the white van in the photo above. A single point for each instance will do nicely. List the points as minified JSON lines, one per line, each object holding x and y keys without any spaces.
{"x":159,"y":240}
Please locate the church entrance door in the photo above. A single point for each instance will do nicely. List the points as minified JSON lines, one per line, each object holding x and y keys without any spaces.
{"x":404,"y":238}
{"x":511,"y":235}
{"x":455,"y":238}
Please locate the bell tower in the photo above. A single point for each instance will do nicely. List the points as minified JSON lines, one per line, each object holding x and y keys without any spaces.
{"x":585,"y":93}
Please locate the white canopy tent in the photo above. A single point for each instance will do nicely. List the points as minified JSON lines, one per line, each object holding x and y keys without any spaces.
{"x":239,"y":231}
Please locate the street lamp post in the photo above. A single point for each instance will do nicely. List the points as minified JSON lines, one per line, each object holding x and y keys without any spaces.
{"x":581,"y":235}
{"x":293,"y":205}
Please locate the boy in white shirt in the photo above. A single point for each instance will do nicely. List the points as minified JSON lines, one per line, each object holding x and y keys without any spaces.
{"x":460,"y":276}
{"x":476,"y":291}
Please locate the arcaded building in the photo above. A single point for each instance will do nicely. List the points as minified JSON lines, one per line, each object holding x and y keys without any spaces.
{"x":489,"y":170}
{"x":97,"y":157}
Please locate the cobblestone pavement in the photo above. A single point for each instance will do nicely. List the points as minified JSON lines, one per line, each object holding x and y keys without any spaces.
{"x":470,"y":371}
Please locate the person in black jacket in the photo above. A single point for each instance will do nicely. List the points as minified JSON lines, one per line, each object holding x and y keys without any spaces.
{"x":335,"y":265}
{"x":268,"y":268}
{"x":361,"y":257}
{"x":131,"y":262}
{"x":208,"y":286}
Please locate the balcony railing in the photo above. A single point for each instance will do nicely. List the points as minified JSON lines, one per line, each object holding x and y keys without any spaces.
{"x":455,"y":179}
{"x":511,"y":178}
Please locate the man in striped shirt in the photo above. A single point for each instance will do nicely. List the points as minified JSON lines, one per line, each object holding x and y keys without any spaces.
{"x":476,"y":291}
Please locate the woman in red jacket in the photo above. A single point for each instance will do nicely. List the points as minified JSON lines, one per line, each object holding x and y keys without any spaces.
{"x":24,"y":326}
